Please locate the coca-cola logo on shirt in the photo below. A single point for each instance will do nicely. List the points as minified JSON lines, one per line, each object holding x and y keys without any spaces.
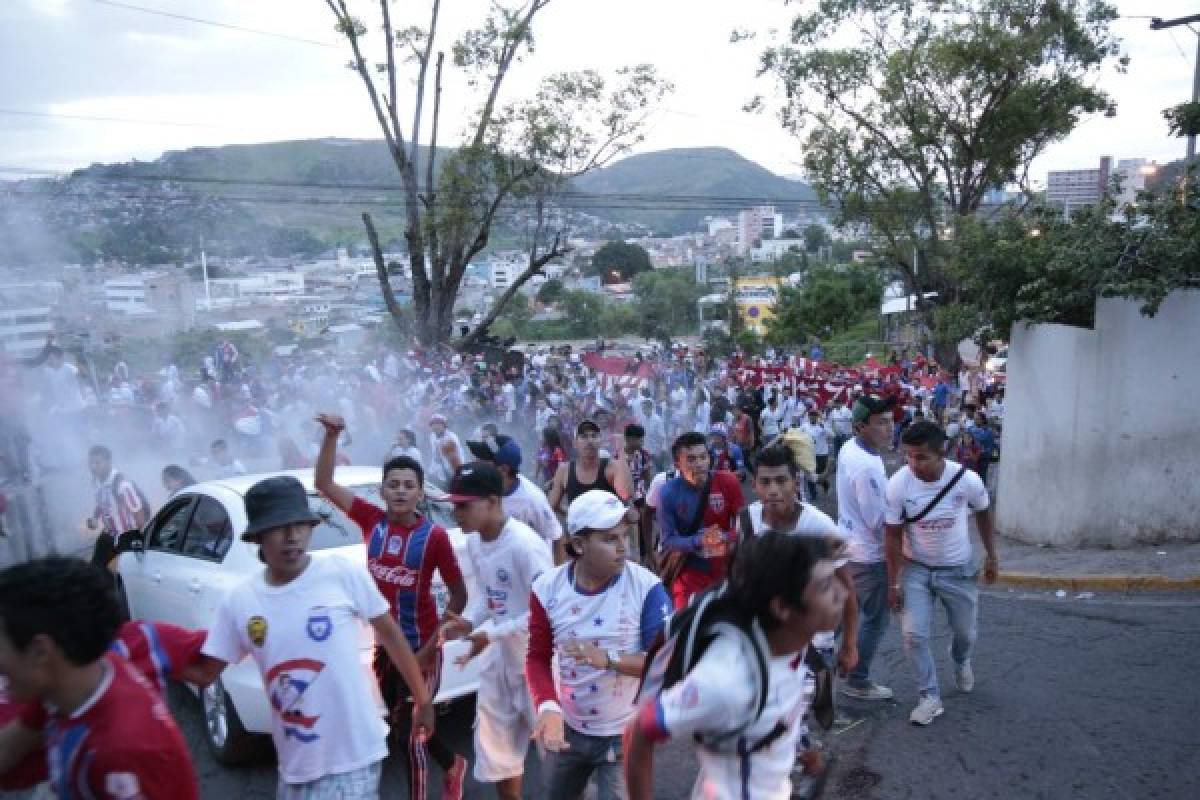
{"x":398,"y":575}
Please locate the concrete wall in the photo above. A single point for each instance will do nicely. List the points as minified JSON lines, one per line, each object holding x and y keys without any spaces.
{"x":1102,"y":428}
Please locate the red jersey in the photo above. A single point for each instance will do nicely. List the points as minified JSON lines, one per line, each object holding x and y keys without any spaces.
{"x":402,"y":559}
{"x":157,"y":650}
{"x":121,"y":744}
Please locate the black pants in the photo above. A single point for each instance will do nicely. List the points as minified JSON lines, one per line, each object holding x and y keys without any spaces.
{"x":397,"y":699}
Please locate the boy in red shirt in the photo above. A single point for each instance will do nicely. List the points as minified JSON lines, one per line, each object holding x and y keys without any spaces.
{"x":107,"y":732}
{"x":403,"y":550}
{"x":157,"y":650}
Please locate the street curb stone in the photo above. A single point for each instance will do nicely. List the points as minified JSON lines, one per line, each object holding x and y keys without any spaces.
{"x":1098,"y":583}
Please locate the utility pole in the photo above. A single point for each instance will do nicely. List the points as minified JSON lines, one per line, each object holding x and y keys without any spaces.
{"x":1158,"y":24}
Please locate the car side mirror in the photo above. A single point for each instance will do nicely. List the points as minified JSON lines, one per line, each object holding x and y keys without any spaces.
{"x":131,"y":542}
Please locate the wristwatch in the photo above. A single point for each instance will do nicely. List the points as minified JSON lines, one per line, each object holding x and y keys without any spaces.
{"x":613,"y":658}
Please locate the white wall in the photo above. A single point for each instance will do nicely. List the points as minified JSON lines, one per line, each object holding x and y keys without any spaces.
{"x":1102,"y":428}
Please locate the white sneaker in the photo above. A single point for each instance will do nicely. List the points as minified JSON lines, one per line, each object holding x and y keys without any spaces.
{"x":929,"y":709}
{"x":872,"y":691}
{"x":964,"y":677}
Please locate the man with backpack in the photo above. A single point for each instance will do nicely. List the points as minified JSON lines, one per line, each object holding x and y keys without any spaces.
{"x":776,"y":481}
{"x":782,"y":590}
{"x":929,"y":558}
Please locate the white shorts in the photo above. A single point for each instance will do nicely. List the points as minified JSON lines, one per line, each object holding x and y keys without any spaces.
{"x":503,"y":720}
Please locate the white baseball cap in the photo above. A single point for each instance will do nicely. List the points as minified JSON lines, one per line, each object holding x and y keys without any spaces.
{"x":595,"y":509}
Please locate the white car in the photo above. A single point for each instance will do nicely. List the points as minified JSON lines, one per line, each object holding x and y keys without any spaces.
{"x":192,"y":553}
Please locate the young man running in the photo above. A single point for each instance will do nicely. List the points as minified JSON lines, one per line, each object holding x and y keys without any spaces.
{"x":782,"y":590}
{"x":929,"y":558}
{"x":508,"y":557}
{"x":107,"y":732}
{"x":598,"y":614}
{"x":404,"y":549}
{"x":301,"y":620}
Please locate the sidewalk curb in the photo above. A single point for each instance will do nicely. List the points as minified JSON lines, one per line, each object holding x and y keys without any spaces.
{"x":1098,"y":583}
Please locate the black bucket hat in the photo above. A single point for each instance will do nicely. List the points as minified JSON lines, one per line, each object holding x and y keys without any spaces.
{"x":273,"y":503}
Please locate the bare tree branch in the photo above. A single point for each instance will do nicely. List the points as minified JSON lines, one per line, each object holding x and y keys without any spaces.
{"x":424,"y":67}
{"x":389,"y":297}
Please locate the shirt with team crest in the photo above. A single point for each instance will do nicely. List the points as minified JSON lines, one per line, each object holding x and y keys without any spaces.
{"x":312,"y":646}
{"x":624,"y":616}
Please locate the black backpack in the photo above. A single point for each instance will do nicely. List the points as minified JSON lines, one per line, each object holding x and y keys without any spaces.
{"x":684,"y":641}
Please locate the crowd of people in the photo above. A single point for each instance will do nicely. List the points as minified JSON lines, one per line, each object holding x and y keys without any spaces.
{"x":623,"y":576}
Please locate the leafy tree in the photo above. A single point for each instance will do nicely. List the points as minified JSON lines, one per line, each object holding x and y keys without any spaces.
{"x":831,"y":300}
{"x":550,"y":292}
{"x":935,"y":103}
{"x":665,"y":302}
{"x":1042,"y":267}
{"x":513,"y":154}
{"x":517,"y":313}
{"x":815,"y":237}
{"x":624,"y":258}
{"x":1183,"y":119}
{"x":583,"y":310}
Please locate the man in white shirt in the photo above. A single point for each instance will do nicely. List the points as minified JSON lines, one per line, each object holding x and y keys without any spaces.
{"x":786,"y":586}
{"x":507,"y":557}
{"x":770,"y":421}
{"x":523,"y":500}
{"x":842,"y":420}
{"x":929,"y":558}
{"x":861,"y":483}
{"x":598,"y":615}
{"x":300,"y":618}
{"x":819,"y":431}
{"x":444,"y":447}
{"x":223,"y":461}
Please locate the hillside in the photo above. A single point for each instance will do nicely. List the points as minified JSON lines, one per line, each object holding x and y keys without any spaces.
{"x":282,"y":198}
{"x":671,"y":191}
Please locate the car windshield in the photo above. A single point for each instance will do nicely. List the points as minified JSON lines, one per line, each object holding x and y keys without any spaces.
{"x":338,"y":530}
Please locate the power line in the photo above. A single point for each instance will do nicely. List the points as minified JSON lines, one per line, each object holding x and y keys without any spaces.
{"x":53,"y":115}
{"x":213,"y":23}
{"x":634,"y":198}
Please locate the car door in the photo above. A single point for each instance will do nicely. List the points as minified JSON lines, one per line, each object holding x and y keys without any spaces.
{"x":196,"y":578}
{"x":143,"y":573}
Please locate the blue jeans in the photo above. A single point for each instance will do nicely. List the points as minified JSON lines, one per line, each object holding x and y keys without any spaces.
{"x":870,"y":585}
{"x":568,"y":771}
{"x":958,"y":590}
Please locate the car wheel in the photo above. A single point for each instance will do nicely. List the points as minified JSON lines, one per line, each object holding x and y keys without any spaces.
{"x":228,"y":741}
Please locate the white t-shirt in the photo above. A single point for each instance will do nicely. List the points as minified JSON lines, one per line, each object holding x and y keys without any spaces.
{"x":819,"y":434}
{"x":812,"y":522}
{"x":654,"y":490}
{"x":843,"y":421}
{"x":529,"y":504}
{"x":63,"y":394}
{"x":506,"y":568}
{"x":712,"y":700}
{"x":308,"y":639}
{"x":861,"y":483}
{"x":941,"y":538}
{"x":440,"y":469}
{"x":770,"y":420}
{"x":598,"y":702}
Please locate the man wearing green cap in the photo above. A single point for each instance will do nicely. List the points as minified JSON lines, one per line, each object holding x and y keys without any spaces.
{"x":861,"y":484}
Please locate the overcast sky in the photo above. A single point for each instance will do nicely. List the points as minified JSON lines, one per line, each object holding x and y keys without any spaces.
{"x":186,"y":84}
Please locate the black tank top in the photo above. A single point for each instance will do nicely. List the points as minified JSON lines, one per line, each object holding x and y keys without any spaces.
{"x":575,"y":488}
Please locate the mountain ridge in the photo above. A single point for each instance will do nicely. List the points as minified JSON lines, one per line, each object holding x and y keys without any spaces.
{"x":667,"y":191}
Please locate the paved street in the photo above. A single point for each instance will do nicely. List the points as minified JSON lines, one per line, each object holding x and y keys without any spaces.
{"x":1074,"y":699}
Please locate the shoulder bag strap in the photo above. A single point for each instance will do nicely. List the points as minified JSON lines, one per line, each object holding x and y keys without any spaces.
{"x":938,"y":498}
